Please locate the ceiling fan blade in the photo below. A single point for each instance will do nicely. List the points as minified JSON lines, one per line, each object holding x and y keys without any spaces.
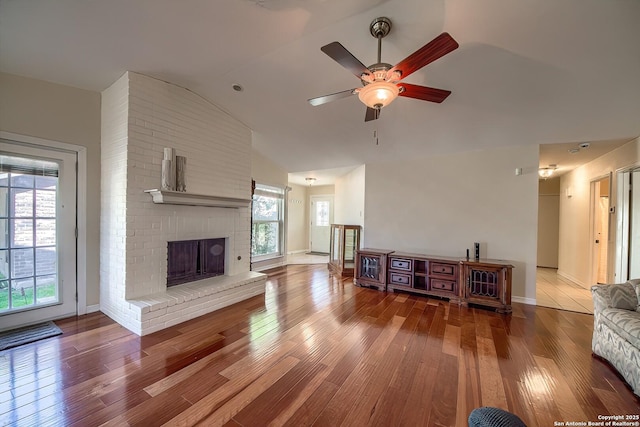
{"x":428,"y":53}
{"x":371,"y":114}
{"x":328,"y":98}
{"x":424,"y":93}
{"x":343,"y":57}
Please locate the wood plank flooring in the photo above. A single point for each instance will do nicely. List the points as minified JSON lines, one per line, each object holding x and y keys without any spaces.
{"x":316,"y":350}
{"x":555,"y":291}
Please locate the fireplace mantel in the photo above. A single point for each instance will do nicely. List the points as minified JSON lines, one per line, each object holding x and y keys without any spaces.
{"x":168,"y":197}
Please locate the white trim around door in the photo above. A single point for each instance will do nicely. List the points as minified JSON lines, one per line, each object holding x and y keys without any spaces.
{"x":81,"y":205}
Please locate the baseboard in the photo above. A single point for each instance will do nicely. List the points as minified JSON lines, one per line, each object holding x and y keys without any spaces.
{"x":267,"y":266}
{"x":523,"y":300}
{"x":93,"y":308}
{"x":573,"y":279}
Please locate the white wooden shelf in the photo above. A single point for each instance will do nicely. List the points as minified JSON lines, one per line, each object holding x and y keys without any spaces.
{"x":168,"y":197}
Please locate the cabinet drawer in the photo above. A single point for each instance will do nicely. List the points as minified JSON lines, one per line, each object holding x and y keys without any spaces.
{"x":400,"y":279}
{"x":400,"y":264}
{"x":443,"y":285}
{"x":442,"y":269}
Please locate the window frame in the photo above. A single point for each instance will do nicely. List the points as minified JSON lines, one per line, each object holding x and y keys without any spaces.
{"x":275,"y":192}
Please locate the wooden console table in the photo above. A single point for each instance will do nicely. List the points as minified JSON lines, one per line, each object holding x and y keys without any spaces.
{"x":483,"y":282}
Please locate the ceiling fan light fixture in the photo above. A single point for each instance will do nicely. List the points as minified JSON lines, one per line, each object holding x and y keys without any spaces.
{"x":378,"y":94}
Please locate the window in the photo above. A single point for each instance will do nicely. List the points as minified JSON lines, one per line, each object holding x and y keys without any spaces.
{"x":28,"y":256}
{"x":322,"y":213}
{"x":267,"y":228}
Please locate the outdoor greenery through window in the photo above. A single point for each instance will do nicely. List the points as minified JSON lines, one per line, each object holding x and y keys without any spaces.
{"x":268,"y":222}
{"x":28,"y":259}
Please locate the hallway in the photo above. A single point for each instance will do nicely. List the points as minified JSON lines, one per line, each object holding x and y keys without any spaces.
{"x":555,"y":291}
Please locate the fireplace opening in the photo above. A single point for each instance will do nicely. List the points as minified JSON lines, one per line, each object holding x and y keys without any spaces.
{"x":191,"y":260}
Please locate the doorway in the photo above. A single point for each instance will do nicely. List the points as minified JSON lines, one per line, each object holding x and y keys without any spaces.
{"x":37,"y":234}
{"x":628,"y":227}
{"x":600,"y":190}
{"x":321,"y":218}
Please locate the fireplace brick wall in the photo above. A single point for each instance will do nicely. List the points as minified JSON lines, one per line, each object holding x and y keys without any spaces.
{"x":140,"y":116}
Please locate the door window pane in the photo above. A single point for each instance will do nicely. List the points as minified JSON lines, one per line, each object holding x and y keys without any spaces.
{"x":322,"y":213}
{"x":22,"y":263}
{"x":46,"y":261}
{"x":4,"y":294}
{"x":22,"y":292}
{"x":45,"y":204}
{"x":46,"y":290}
{"x":45,"y":232}
{"x":22,"y":233}
{"x":21,"y":203}
{"x":21,"y":181}
{"x":4,"y":202}
{"x":4,"y":233}
{"x":28,"y":252}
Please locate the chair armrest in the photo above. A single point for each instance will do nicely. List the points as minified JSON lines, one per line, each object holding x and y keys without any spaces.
{"x":601,"y":298}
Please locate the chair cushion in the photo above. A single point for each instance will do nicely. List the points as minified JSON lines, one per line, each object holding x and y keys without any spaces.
{"x":623,"y":296}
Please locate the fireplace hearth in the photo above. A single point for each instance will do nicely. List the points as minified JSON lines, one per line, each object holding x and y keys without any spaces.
{"x":191,"y":260}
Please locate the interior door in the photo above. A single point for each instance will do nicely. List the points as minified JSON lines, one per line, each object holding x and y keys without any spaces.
{"x":634,"y":225}
{"x":600,"y":233}
{"x":37,"y":234}
{"x":321,"y":218}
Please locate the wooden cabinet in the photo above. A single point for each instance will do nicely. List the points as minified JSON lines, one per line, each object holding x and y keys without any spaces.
{"x":481,"y":282}
{"x":487,"y":283}
{"x":371,"y":268}
{"x":423,"y":274}
{"x":345,"y":241}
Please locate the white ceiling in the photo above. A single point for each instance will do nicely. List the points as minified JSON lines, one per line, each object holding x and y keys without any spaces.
{"x":526,"y":72}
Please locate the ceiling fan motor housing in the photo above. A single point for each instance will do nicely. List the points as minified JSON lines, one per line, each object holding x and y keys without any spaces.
{"x":380,"y":27}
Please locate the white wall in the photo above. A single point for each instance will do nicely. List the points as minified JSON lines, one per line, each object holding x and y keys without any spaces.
{"x":297,"y":219}
{"x":349,"y":197}
{"x":442,"y":205}
{"x":574,"y":252}
{"x":265,"y":171}
{"x":65,"y":114}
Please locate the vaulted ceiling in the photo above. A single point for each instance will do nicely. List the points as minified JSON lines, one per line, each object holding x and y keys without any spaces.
{"x":526,"y":71}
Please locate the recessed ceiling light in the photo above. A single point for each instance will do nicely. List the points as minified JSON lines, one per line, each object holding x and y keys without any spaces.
{"x":573,"y":150}
{"x":237,"y":87}
{"x":585,"y":145}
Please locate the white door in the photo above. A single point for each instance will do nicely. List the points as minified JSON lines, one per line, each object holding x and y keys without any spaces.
{"x":37,"y":234}
{"x":600,"y":229}
{"x":321,"y":214}
{"x":634,"y":226}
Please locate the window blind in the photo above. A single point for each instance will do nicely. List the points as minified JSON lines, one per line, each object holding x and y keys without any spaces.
{"x":27,"y":166}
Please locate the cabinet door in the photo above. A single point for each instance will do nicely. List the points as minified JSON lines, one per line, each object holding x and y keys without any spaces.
{"x":370,"y":267}
{"x":485,"y":283}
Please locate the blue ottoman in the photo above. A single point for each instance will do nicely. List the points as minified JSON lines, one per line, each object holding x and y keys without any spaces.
{"x":493,"y":417}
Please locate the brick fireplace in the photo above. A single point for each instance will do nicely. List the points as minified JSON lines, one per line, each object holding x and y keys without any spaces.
{"x":140,"y":117}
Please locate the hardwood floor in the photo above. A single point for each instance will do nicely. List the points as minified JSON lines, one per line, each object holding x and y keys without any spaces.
{"x":315,"y":350}
{"x":555,"y":291}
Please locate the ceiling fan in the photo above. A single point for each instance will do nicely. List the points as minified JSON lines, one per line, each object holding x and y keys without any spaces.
{"x":381,"y":81}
